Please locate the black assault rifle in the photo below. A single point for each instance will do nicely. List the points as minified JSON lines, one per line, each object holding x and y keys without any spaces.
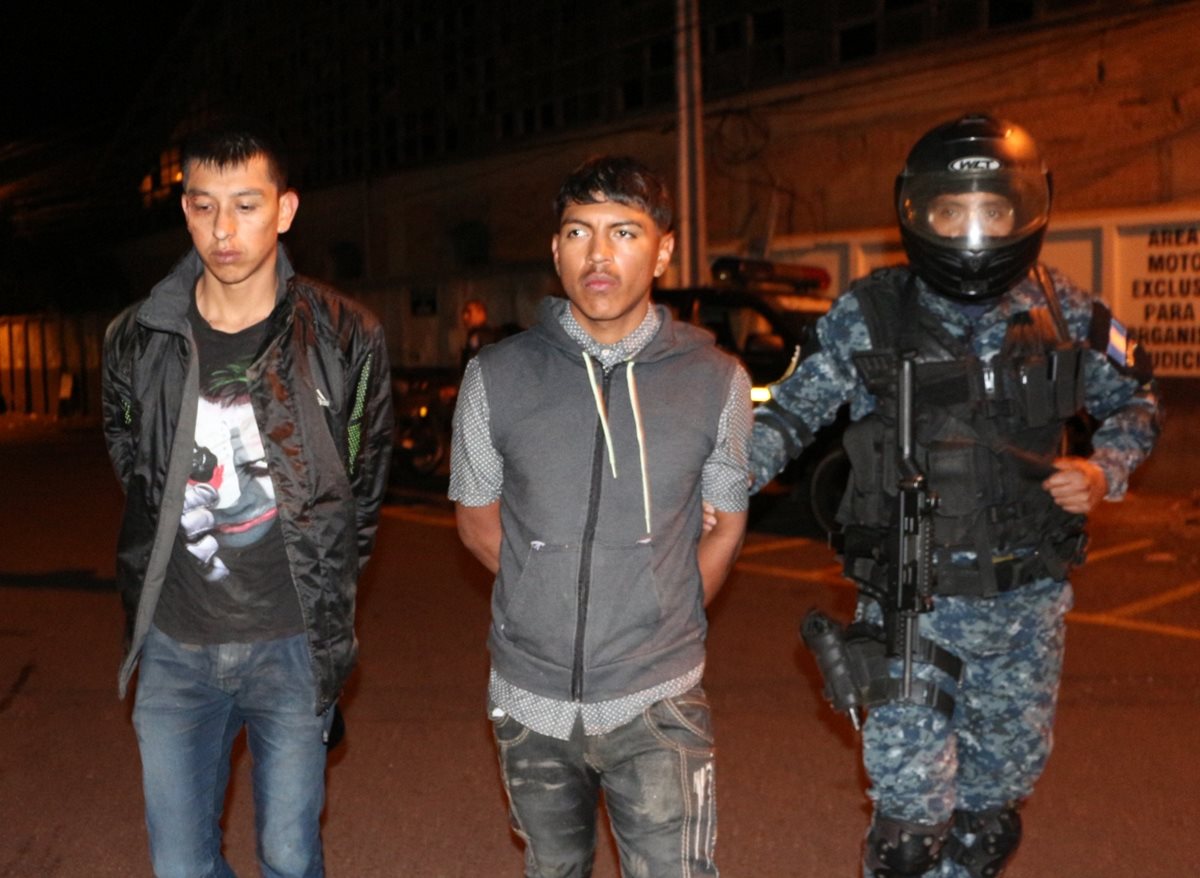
{"x":851,"y":660}
{"x":910,"y":577}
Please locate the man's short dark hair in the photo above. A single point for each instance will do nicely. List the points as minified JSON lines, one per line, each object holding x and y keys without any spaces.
{"x":231,"y":143}
{"x":619,"y":179}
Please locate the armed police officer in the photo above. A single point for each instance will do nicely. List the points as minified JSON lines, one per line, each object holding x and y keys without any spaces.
{"x":961,"y":371}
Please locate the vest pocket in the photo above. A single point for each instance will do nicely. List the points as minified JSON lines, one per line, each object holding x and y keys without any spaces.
{"x":1068,"y":383}
{"x":537,"y":613}
{"x":954,"y":469}
{"x":624,"y":608}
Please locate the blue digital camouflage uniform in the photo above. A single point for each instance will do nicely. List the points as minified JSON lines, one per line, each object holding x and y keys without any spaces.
{"x":922,"y":765}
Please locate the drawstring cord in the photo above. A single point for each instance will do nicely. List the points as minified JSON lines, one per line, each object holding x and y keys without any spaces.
{"x":641,"y":438}
{"x":631,"y":383}
{"x":612,"y":459}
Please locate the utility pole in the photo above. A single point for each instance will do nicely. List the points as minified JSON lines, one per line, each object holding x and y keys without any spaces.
{"x":691,"y":229}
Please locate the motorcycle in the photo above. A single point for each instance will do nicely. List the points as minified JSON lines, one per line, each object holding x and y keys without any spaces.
{"x":423,"y":400}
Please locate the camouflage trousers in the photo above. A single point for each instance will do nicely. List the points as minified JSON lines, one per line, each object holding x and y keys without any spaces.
{"x":923,"y":765}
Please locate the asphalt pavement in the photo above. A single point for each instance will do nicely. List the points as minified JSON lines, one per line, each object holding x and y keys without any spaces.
{"x":414,"y":789}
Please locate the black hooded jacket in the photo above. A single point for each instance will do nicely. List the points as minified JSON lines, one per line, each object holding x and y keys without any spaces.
{"x":321,"y":391}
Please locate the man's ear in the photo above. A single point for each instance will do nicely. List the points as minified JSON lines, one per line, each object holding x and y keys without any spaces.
{"x":289,"y":203}
{"x":666,"y":246}
{"x":554,"y":253}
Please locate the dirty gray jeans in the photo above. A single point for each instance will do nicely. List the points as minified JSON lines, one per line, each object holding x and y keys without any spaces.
{"x":656,"y":772}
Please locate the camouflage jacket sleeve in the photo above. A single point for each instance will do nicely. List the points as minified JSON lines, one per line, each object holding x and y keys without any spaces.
{"x":1123,"y":398}
{"x":810,"y":397}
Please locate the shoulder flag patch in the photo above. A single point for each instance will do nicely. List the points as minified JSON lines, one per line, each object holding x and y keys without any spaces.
{"x":1118,"y":344}
{"x":1109,"y":335}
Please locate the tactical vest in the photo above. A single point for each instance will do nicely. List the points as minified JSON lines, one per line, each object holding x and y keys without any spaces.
{"x":985,"y":437}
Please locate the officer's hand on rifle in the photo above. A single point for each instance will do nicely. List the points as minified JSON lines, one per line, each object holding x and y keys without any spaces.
{"x":1078,"y":485}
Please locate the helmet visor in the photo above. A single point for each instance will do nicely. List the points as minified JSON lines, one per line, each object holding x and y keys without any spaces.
{"x":974,"y":211}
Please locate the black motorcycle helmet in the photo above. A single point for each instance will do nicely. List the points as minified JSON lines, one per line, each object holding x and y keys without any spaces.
{"x":973,"y":202}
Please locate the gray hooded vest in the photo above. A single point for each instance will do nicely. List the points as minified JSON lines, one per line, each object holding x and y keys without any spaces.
{"x":599,"y":593}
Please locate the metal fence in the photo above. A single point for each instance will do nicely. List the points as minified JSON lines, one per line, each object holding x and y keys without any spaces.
{"x":50,"y":365}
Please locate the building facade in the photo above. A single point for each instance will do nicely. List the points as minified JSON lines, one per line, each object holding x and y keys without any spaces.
{"x":432,"y":136}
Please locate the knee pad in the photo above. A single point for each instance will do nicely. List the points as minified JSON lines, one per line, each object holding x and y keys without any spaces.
{"x":897,"y":848}
{"x":994,"y":835}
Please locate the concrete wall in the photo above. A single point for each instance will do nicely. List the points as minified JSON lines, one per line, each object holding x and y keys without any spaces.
{"x":1114,"y":104}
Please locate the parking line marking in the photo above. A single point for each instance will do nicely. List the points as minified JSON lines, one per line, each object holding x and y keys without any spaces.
{"x":1119,"y":549}
{"x":832,"y":575}
{"x":1109,"y":621}
{"x":1158,"y":600}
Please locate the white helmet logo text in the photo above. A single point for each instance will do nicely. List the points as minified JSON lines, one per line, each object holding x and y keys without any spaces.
{"x":975,"y":163}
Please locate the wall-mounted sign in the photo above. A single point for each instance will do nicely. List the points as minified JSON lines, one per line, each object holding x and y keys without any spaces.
{"x":1157,"y":292}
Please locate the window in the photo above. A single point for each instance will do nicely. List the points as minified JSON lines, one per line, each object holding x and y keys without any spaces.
{"x":1005,"y":12}
{"x":170,"y":168}
{"x":856,"y":43}
{"x":729,"y":35}
{"x":768,"y":25}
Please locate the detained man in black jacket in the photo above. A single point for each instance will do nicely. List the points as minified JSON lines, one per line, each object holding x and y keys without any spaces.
{"x":248,"y":416}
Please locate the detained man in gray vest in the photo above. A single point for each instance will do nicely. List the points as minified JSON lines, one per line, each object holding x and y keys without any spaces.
{"x":583,"y":449}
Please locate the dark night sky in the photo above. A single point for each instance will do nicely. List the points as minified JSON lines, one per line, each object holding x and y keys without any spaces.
{"x":69,"y":67}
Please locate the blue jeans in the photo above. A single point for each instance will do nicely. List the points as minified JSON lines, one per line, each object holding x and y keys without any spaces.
{"x":656,"y":772}
{"x":191,"y":703}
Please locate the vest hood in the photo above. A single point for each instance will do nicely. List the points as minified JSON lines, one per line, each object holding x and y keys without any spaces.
{"x":672,"y":339}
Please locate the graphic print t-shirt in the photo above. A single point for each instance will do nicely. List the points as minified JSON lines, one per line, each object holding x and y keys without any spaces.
{"x":228,"y":580}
